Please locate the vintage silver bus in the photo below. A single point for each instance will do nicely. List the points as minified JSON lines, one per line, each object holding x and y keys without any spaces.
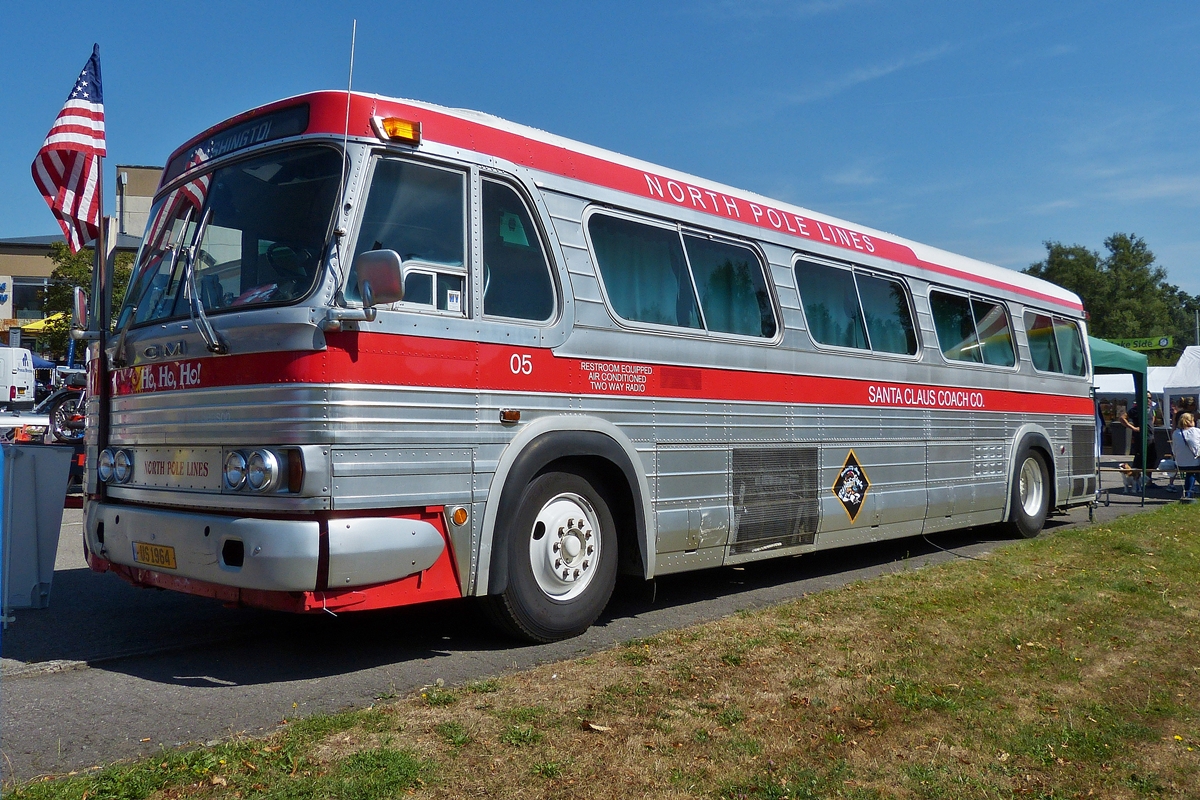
{"x":377,"y":352}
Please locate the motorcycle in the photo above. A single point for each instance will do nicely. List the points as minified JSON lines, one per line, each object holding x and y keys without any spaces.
{"x":66,"y":409}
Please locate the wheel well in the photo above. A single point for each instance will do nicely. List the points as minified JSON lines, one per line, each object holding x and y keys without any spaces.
{"x":1040,"y":445}
{"x":1048,"y":457}
{"x":610,"y":481}
{"x":595,"y":457}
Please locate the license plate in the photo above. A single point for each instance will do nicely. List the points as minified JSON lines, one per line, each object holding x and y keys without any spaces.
{"x":154,"y":555}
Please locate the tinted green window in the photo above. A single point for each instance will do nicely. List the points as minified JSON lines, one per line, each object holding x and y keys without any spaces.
{"x":831,"y":305}
{"x":889,"y":318}
{"x":516,"y":276}
{"x":995,"y":335}
{"x":1070,"y":347}
{"x":644,"y":270}
{"x":1039,"y":329}
{"x":733,"y":291}
{"x":418,"y":211}
{"x":973,"y":330}
{"x":1055,"y":344}
{"x":955,"y":327}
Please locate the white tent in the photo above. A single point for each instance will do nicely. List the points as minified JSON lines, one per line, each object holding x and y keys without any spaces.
{"x":1156,"y":379}
{"x":1120,"y":385}
{"x":1116,"y":385}
{"x":1184,"y":380}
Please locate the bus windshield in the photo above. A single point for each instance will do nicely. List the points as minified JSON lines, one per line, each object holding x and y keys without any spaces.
{"x":256,"y":229}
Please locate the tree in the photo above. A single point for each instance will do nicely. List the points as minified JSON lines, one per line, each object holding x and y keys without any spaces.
{"x":1125,"y":292}
{"x":71,"y":270}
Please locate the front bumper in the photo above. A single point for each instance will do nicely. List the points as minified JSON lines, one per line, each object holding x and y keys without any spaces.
{"x":276,"y":555}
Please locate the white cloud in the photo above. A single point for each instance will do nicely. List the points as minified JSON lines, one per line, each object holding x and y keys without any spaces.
{"x":1057,"y":51}
{"x":1053,"y":206}
{"x":775,"y":9}
{"x":1156,"y":187}
{"x":854,"y":175}
{"x":866,"y":74}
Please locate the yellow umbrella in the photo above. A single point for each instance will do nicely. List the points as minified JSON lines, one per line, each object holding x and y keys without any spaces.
{"x":40,"y":325}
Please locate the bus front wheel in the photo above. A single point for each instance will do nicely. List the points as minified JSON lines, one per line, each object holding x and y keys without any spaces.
{"x":562,"y":560}
{"x":1030,"y":494}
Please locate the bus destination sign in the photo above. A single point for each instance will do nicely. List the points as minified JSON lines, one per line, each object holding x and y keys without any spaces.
{"x":266,"y":128}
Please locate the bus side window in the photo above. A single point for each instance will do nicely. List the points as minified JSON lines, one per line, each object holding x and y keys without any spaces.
{"x":973,"y":330}
{"x":889,"y":316}
{"x":644,"y":271}
{"x":831,"y":305}
{"x":733,"y":291}
{"x":1039,"y":328}
{"x":955,"y":327}
{"x":418,"y":211}
{"x":516,"y":275}
{"x":1070,"y":347}
{"x":995,"y":336}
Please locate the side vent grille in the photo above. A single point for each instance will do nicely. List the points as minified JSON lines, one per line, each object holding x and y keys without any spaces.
{"x":775,"y":498}
{"x":1083,"y":449}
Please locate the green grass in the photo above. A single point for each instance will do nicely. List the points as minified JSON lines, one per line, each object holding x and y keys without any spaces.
{"x":1063,"y":667}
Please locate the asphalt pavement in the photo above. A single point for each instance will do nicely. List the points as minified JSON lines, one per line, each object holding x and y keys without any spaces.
{"x":110,"y":672}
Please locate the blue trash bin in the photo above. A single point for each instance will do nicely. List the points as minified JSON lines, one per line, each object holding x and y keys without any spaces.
{"x":33,"y":485}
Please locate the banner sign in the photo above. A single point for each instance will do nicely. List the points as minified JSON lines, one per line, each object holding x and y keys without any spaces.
{"x":1146,"y":343}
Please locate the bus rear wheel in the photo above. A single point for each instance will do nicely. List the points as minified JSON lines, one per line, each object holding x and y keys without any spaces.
{"x":1030,"y":494}
{"x":562,"y":560}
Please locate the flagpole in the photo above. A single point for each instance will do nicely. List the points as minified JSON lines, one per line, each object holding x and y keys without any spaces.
{"x":100,"y":314}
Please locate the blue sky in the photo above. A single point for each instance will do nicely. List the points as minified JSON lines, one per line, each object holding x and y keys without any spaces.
{"x":982,"y":128}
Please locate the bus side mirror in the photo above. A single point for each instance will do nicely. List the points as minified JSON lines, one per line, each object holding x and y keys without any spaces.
{"x":380,"y":277}
{"x":79,"y":310}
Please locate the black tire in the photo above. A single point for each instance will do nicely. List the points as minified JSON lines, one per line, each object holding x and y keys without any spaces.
{"x":561,"y":518}
{"x":60,"y":414}
{"x":1030,"y":495}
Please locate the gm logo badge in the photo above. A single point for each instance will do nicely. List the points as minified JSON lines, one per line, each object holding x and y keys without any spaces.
{"x":169,"y":350}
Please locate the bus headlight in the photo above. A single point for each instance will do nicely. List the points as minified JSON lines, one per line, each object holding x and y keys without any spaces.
{"x":262,"y":470}
{"x":104,"y":465}
{"x":123,"y":466}
{"x":234,"y":470}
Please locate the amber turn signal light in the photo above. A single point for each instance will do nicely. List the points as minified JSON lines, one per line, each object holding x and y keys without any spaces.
{"x":396,"y":129}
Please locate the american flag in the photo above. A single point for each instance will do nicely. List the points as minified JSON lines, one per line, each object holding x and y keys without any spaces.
{"x":67,"y":168}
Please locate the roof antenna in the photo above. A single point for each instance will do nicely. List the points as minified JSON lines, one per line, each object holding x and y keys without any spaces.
{"x":341,"y":231}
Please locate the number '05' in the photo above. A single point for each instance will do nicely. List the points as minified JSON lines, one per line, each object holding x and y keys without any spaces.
{"x":520,"y":365}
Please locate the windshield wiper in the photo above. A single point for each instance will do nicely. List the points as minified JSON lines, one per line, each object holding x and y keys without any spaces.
{"x":173,"y":248}
{"x":212,"y":339}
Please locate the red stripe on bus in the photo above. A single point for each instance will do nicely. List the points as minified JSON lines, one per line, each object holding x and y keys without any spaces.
{"x":376,"y":359}
{"x":327,"y":114}
{"x":514,"y":147}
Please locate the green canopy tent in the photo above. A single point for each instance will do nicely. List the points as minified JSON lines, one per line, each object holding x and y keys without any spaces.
{"x":1108,"y":358}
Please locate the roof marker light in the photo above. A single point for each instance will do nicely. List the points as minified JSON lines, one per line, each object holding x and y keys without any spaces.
{"x":397,"y":129}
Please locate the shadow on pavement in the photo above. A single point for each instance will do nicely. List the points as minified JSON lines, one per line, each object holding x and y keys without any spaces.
{"x":198,"y":642}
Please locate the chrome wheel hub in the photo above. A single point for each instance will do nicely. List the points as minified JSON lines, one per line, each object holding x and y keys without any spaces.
{"x":1032,"y":488}
{"x":564,"y":546}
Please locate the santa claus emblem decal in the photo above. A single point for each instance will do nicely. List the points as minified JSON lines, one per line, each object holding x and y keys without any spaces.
{"x":851,"y":486}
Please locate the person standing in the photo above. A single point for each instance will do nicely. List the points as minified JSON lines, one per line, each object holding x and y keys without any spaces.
{"x":1185,"y":444}
{"x":1132,"y":419}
